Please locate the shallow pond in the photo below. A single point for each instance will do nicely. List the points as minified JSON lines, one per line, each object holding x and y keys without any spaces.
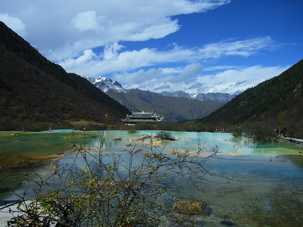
{"x":267,"y":179}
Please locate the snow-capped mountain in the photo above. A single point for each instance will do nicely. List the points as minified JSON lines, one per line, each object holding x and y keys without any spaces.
{"x":179,"y":94}
{"x":104,"y":83}
{"x":90,"y":79}
{"x":217,"y":97}
{"x":195,"y":106}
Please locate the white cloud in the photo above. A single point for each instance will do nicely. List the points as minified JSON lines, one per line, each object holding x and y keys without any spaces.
{"x":88,"y":55}
{"x":85,"y":21}
{"x":111,"y":60}
{"x":111,"y":51}
{"x":14,"y":23}
{"x":229,"y":81}
{"x":245,"y":47}
{"x":69,"y":32}
{"x":114,"y":60}
{"x":189,"y":73}
{"x":64,"y":29}
{"x":238,"y":80}
{"x":155,"y":31}
{"x":140,"y":77}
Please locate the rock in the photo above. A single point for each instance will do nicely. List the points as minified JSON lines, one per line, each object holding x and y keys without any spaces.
{"x":173,"y":152}
{"x":54,"y":167}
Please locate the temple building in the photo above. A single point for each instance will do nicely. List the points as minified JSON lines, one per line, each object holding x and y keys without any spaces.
{"x":137,"y":117}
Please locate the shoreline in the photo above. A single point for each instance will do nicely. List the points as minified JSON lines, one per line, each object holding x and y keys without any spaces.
{"x":18,"y":160}
{"x":293,"y":140}
{"x":15,"y":174}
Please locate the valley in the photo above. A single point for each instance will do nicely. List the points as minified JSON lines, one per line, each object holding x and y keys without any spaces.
{"x":212,"y":144}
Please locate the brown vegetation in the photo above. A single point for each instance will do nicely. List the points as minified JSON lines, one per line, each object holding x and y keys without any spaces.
{"x":188,"y":206}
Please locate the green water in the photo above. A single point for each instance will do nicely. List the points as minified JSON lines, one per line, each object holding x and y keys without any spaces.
{"x":22,"y":155}
{"x":40,"y":144}
{"x":16,"y":147}
{"x":267,"y":190}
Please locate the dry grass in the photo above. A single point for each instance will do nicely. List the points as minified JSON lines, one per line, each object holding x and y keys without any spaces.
{"x":189,"y":206}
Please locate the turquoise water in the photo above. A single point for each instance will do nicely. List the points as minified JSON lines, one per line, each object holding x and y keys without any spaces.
{"x":252,"y":184}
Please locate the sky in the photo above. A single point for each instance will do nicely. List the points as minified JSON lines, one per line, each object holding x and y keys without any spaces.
{"x":198,"y":46}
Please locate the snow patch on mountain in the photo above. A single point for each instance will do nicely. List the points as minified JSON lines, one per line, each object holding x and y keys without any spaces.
{"x":104,"y":84}
{"x":217,"y":97}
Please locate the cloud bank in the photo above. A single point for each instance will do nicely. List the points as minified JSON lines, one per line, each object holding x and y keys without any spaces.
{"x":194,"y":80}
{"x":76,"y":25}
{"x":111,"y":60}
{"x":85,"y":37}
{"x":142,"y":68}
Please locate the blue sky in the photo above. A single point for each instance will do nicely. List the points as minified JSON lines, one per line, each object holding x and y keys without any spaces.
{"x":198,"y":46}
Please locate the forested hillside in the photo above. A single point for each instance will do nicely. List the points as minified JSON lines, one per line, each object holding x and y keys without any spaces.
{"x":278,"y":100}
{"x":172,"y":108}
{"x":36,"y":93}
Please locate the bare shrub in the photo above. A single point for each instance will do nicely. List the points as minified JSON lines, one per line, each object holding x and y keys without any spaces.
{"x":110,"y":189}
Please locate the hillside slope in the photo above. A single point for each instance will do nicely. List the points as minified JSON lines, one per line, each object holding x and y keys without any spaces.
{"x":35,"y":92}
{"x":172,"y":108}
{"x":279,"y":100}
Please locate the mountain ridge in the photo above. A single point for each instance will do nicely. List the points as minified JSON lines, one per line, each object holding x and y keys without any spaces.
{"x":192,"y":108}
{"x":278,"y":100}
{"x":172,"y":108}
{"x":105,"y":83}
{"x":36,"y":93}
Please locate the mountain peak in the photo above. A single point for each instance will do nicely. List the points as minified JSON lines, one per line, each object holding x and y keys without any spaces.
{"x":105,"y":83}
{"x":103,"y":79}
